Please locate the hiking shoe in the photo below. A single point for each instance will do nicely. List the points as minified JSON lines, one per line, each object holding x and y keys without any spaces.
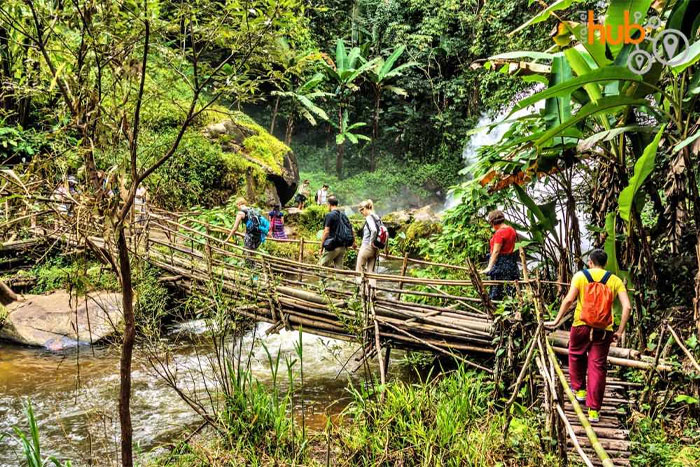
{"x":593,"y":415}
{"x":580,"y":395}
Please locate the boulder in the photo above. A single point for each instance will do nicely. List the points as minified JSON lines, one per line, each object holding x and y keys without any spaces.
{"x":399,"y":220}
{"x":51,"y":321}
{"x":249,"y":141}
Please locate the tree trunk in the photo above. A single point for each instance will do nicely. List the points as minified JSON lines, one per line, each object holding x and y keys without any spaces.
{"x":274,"y":116}
{"x":289,"y":131}
{"x":326,"y":162}
{"x":339,"y":160}
{"x":375,"y":130}
{"x":695,"y":197}
{"x":340,"y":148}
{"x":127,"y":350}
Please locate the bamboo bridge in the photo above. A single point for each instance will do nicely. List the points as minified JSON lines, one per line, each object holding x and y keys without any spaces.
{"x":410,"y":309}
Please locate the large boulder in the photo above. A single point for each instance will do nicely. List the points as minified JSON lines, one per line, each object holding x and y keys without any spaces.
{"x":242,"y":138}
{"x":55,"y":322}
{"x":400,"y":220}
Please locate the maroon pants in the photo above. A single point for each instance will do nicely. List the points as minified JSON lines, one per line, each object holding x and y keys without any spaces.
{"x":589,"y":353}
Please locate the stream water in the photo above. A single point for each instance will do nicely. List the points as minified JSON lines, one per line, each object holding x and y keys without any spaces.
{"x":75,"y":404}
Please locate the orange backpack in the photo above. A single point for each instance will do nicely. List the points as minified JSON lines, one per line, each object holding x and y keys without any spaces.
{"x":597,"y":302}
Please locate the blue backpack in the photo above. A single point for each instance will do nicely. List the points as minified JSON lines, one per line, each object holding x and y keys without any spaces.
{"x":257,"y":224}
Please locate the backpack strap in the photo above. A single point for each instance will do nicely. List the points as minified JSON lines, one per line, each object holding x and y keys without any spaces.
{"x":605,"y":278}
{"x":586,"y":273}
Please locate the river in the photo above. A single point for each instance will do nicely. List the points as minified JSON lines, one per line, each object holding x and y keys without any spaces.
{"x":74,"y":392}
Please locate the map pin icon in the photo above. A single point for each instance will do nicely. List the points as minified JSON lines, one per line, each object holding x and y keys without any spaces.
{"x":670,"y":43}
{"x":639,"y":60}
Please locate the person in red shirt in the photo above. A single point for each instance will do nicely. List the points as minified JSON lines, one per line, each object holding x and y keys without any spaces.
{"x":503,"y":261}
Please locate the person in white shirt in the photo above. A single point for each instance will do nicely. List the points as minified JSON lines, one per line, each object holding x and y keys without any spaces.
{"x":367,"y":256}
{"x":322,"y":195}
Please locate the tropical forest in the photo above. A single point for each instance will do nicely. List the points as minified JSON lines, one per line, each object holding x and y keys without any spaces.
{"x":349,"y":233}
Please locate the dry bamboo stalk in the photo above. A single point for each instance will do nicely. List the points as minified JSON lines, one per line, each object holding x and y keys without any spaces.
{"x":436,"y":330}
{"x":404,"y":268}
{"x":572,"y":436}
{"x":600,"y":452}
{"x":430,"y":294}
{"x":619,"y":352}
{"x":684,"y":348}
{"x":382,"y":370}
{"x":433,"y":322}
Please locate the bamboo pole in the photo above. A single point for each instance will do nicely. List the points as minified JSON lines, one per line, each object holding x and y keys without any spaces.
{"x":573,"y":437}
{"x":301,"y":256}
{"x":684,"y":348}
{"x":382,"y":370}
{"x":593,"y":438}
{"x":404,"y":268}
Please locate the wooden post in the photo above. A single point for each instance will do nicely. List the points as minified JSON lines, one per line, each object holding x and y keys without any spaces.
{"x":404,"y":267}
{"x":207,"y":251}
{"x":301,"y":257}
{"x":382,"y":371}
{"x":523,"y":260}
{"x":479,"y":286}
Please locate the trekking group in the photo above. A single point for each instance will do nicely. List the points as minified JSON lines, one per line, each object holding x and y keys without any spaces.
{"x":337,"y":236}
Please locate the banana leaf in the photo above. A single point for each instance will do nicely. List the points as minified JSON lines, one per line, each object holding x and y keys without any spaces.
{"x":642,"y":169}
{"x":604,"y":106}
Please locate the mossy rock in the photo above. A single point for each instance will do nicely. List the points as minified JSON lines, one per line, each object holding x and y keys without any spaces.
{"x":249,"y":149}
{"x":409,"y":236}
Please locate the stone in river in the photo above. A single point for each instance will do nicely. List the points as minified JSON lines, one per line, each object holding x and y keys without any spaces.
{"x":51,"y":320}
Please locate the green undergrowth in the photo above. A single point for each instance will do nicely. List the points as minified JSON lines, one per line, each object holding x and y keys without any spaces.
{"x":208,"y":167}
{"x":662,"y":442}
{"x":79,"y":274}
{"x":449,"y":420}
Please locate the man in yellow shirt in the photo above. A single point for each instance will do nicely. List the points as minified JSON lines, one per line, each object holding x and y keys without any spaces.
{"x":589,"y":346}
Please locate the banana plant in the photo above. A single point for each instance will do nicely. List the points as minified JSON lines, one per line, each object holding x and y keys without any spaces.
{"x":303,"y":102}
{"x":379,"y":77}
{"x":612,"y":122}
{"x":345,"y":131}
{"x":344,"y":71}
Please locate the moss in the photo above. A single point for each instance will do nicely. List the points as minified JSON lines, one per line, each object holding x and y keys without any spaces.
{"x":3,"y":315}
{"x":409,"y":236}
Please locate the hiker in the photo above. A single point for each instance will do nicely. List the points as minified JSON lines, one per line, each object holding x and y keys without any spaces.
{"x":503,"y":261}
{"x":303,"y":194}
{"x":64,"y":195}
{"x":140,"y":206}
{"x":337,"y":236}
{"x":256,"y":227}
{"x":594,"y":291}
{"x":277,"y":222}
{"x":322,"y":195}
{"x":374,"y":238}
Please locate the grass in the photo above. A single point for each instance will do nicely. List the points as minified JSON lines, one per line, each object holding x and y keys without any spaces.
{"x":80,"y":274}
{"x":31,"y":445}
{"x":450,"y":420}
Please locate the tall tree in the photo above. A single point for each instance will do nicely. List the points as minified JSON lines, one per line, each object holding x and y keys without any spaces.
{"x":99,"y":61}
{"x":344,"y":71}
{"x":380,"y":76}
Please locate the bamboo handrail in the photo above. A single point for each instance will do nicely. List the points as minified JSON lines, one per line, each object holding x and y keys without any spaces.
{"x":592,"y":437}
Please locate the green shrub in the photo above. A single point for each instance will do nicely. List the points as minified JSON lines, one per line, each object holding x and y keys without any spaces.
{"x":653,"y":443}
{"x":81,"y":274}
